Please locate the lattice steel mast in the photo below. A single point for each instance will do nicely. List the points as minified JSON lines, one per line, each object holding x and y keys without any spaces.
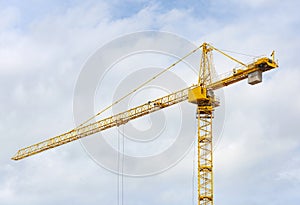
{"x":204,"y":97}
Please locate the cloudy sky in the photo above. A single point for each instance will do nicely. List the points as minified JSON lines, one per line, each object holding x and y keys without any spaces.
{"x":43,"y":47}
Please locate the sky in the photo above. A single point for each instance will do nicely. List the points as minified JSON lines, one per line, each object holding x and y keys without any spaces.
{"x":44,"y":46}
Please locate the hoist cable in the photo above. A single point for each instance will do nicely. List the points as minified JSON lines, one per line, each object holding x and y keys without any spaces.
{"x":243,"y":54}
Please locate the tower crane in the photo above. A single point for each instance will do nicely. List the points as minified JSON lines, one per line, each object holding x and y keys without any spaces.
{"x":201,"y":94}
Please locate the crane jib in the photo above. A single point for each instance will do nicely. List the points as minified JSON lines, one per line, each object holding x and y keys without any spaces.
{"x":115,"y":120}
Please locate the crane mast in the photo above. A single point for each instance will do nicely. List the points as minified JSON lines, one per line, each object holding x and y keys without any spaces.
{"x":205,"y":104}
{"x":201,"y":94}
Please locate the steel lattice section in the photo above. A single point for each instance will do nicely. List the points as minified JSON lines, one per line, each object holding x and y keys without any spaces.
{"x":205,"y":166}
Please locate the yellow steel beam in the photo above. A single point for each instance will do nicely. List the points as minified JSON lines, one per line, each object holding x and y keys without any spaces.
{"x":262,"y":64}
{"x":104,"y":124}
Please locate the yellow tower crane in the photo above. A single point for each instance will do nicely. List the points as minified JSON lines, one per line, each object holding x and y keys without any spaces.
{"x":201,"y":94}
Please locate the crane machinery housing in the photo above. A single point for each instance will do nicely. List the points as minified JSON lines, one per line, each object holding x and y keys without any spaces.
{"x":201,"y":94}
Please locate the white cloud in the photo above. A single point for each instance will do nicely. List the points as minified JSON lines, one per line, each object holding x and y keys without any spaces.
{"x":256,"y":3}
{"x":38,"y":68}
{"x":10,"y":17}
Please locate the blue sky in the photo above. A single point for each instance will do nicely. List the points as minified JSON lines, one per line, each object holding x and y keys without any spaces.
{"x":43,"y":47}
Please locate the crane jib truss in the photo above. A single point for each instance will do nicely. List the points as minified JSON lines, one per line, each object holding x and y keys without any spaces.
{"x":200,"y":94}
